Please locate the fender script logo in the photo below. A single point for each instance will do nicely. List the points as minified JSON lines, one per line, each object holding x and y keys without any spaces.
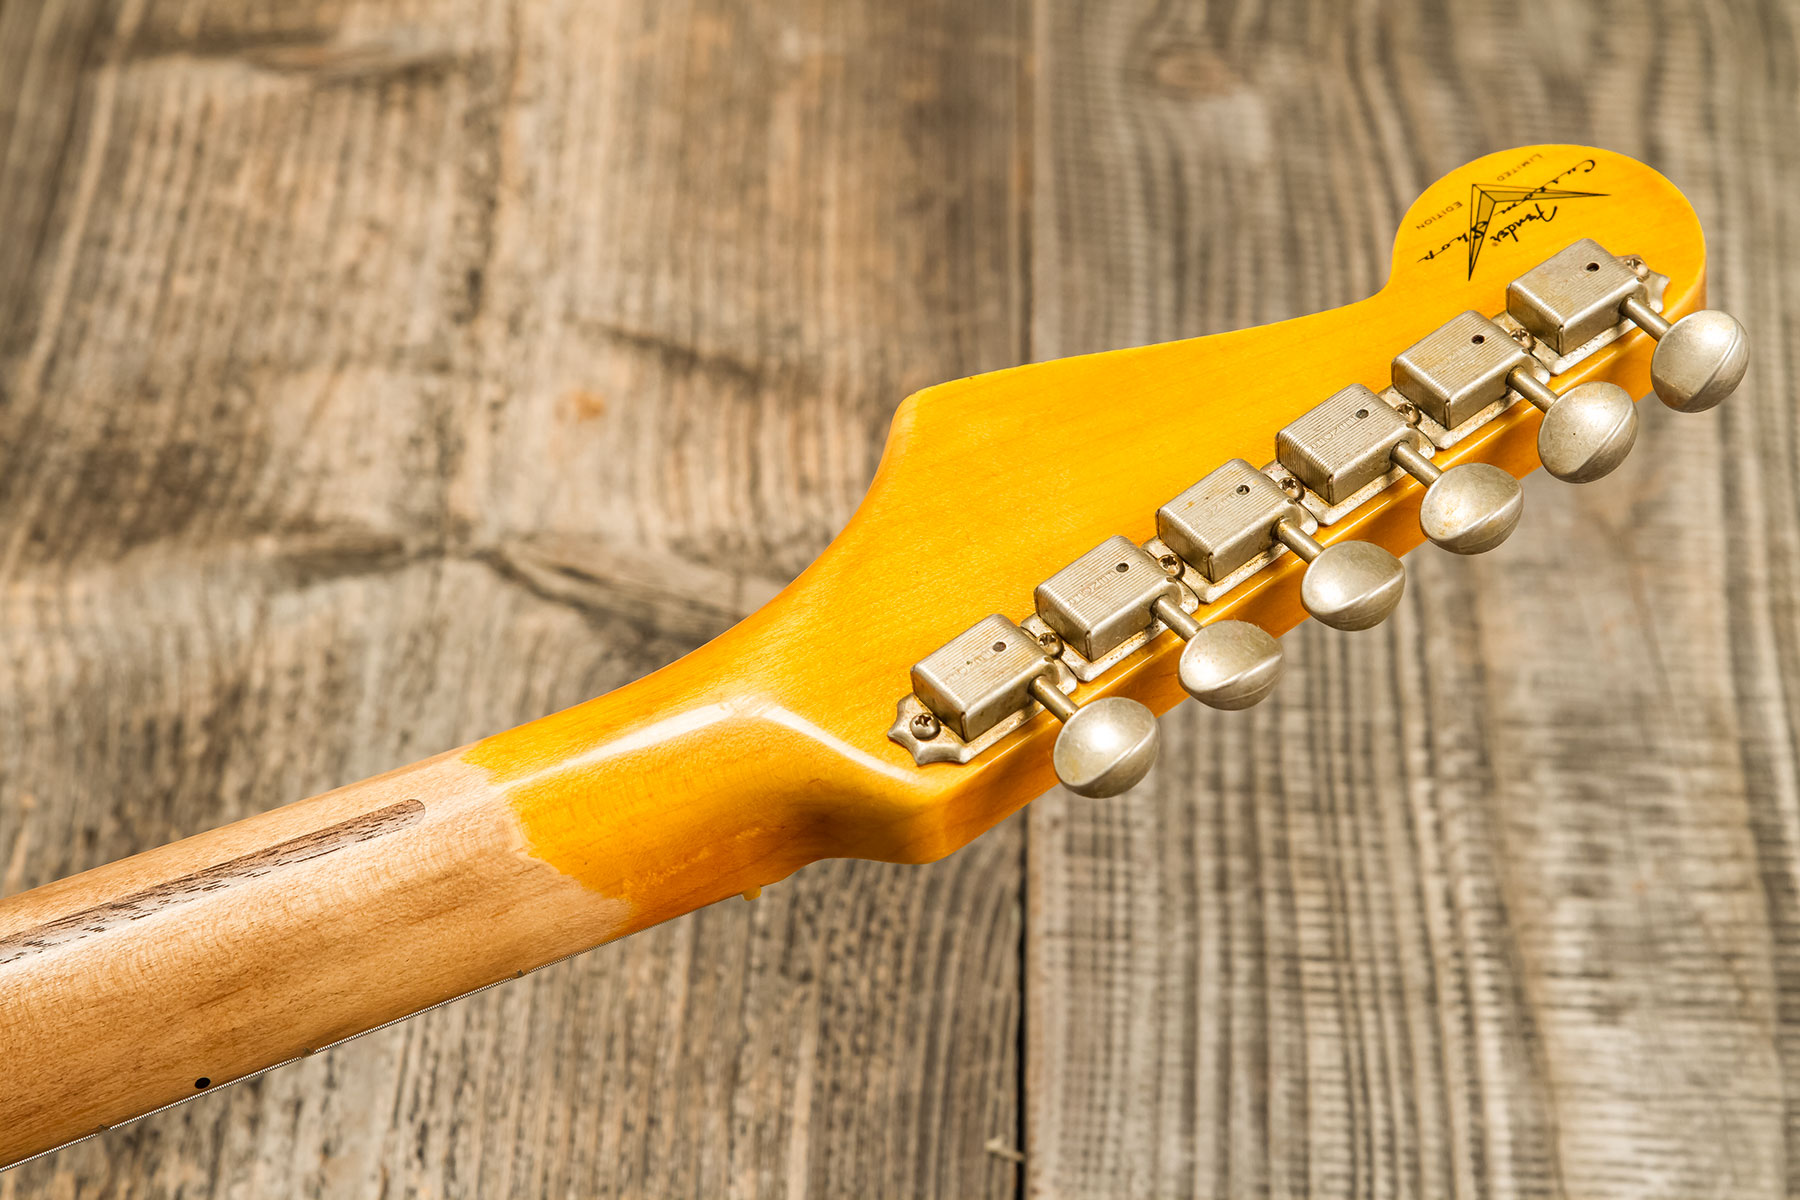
{"x":1488,"y":201}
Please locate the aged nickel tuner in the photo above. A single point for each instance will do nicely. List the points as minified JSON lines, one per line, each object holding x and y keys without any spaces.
{"x":1469,"y":363}
{"x":1583,"y":292}
{"x":1352,"y":442}
{"x":994,"y":670}
{"x":1237,"y":519}
{"x":1116,"y":590}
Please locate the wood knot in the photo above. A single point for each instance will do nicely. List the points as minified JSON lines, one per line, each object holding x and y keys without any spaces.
{"x":1193,"y":70}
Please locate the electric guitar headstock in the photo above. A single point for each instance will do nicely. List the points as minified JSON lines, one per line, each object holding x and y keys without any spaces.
{"x":1051,"y":554}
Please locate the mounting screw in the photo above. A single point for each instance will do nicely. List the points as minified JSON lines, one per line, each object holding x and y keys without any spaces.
{"x":1291,"y":488}
{"x":1638,"y":266}
{"x":1050,"y":642}
{"x":1171,"y":566}
{"x":925,"y":726}
{"x":1524,"y":338}
{"x":1409,"y":412}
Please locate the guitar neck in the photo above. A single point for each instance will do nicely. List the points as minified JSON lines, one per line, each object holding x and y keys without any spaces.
{"x":144,"y":982}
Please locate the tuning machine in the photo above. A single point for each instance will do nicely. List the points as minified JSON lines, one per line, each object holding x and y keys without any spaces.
{"x":1237,"y":514}
{"x":1470,"y":362}
{"x":1582,"y":292}
{"x":1354,"y":441}
{"x":1116,"y":590}
{"x":994,"y":672}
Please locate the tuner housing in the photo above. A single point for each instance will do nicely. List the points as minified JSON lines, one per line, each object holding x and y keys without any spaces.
{"x":1573,"y":297}
{"x":1345,"y":444}
{"x":1102,"y":598}
{"x":1227,"y":520}
{"x":981,"y":676}
{"x":1459,"y":368}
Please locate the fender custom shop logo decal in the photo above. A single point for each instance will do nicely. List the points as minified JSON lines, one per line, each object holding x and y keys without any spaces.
{"x":1505,"y":210}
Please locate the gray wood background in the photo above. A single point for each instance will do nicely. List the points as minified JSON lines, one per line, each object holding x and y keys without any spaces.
{"x":377,"y":375}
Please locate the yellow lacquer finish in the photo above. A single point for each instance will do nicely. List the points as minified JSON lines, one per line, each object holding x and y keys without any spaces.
{"x":767,"y":748}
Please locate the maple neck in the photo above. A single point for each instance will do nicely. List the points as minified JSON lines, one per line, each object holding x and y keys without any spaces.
{"x":281,"y":934}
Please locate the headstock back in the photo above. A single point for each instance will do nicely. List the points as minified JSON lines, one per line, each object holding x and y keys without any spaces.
{"x":991,"y":485}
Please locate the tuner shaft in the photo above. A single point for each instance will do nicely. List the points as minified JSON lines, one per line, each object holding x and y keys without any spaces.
{"x":1059,"y":705}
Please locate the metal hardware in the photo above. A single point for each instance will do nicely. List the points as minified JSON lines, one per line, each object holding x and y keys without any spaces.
{"x":976,"y":679}
{"x":1221,"y":525}
{"x":1354,"y":445}
{"x":977,"y":689}
{"x":1557,"y":364}
{"x":1106,"y":746}
{"x":1237,"y":520}
{"x":1584,"y":291}
{"x":1469,"y":509}
{"x":1342,"y":446}
{"x":1104,"y":597}
{"x":1573,"y":296}
{"x":1698,"y":361}
{"x":1086,"y":669}
{"x":1347,"y":585}
{"x":1459,"y":369}
{"x":1228,"y":664}
{"x":990,"y":679}
{"x":1588,"y":429}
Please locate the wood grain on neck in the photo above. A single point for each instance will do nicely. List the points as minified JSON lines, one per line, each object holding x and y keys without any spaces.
{"x":100,"y":919}
{"x":147,"y":981}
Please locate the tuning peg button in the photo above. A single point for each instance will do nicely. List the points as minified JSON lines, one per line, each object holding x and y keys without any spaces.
{"x":1347,"y":585}
{"x":1228,"y":664}
{"x":1698,"y":361}
{"x":1587,"y":430}
{"x":1469,"y":509}
{"x":1106,"y":746}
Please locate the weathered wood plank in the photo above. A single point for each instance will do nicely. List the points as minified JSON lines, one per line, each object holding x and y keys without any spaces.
{"x":374,"y":378}
{"x":1500,"y":900}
